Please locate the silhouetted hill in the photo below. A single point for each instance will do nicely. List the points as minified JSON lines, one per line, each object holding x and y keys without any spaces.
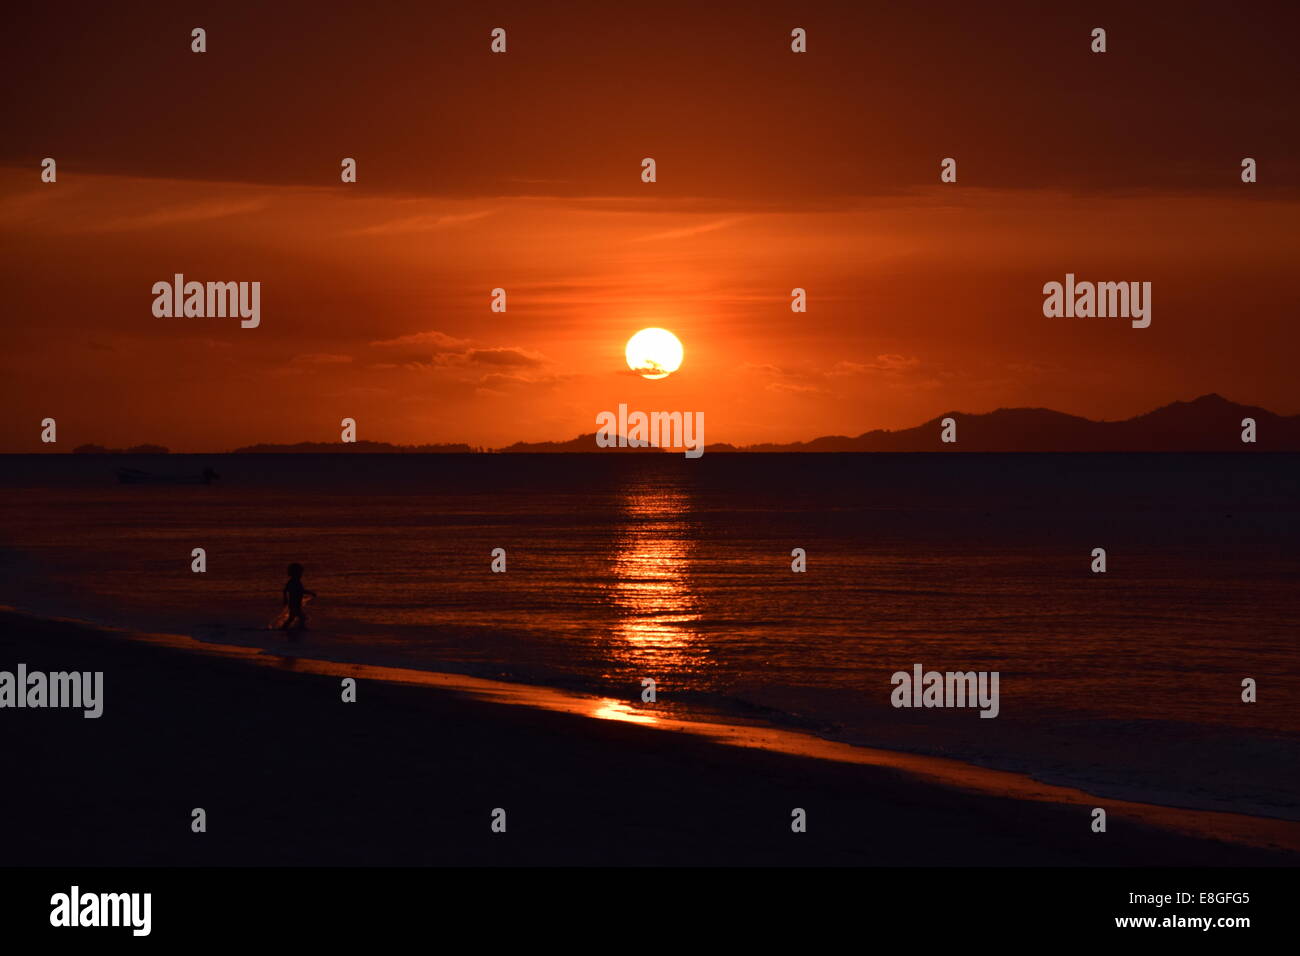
{"x":1209,"y":423}
{"x":1212,"y":418}
{"x":583,"y":443}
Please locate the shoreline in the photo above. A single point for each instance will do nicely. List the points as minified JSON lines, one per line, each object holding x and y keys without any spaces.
{"x":1016,"y":774}
{"x":518,"y":721}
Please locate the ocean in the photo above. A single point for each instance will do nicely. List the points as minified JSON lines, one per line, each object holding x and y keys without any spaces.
{"x":625,"y":567}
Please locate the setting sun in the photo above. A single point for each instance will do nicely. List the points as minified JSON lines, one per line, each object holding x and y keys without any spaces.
{"x":655,"y":353}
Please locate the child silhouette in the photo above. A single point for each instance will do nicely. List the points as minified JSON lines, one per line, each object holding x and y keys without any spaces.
{"x":293,"y":595}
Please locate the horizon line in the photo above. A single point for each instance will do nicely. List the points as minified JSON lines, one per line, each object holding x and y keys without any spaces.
{"x":534,"y":447}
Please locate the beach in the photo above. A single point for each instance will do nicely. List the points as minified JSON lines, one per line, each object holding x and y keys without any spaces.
{"x":289,"y":774}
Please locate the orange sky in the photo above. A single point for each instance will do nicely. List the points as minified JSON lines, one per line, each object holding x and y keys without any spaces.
{"x":776,"y":170}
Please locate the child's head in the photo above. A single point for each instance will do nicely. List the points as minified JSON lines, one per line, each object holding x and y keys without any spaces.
{"x":295,"y":570}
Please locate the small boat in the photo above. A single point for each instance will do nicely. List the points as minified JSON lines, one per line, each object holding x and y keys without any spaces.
{"x":134,"y":476}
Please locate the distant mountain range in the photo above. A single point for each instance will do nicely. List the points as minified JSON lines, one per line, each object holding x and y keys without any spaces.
{"x":583,"y":443}
{"x":1208,"y":423}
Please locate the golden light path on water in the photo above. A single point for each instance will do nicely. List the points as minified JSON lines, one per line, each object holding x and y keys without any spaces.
{"x":654,"y":604}
{"x":1232,"y":827}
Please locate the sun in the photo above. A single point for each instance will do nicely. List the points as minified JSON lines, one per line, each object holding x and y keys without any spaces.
{"x":655,"y":353}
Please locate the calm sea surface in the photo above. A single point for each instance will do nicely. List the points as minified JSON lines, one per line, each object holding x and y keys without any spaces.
{"x":634,"y":566}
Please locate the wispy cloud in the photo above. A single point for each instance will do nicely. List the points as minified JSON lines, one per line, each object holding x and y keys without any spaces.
{"x":430,"y":341}
{"x":882,"y":363}
{"x":687,"y":231}
{"x":426,"y":222}
{"x":437,"y":349}
{"x":181,"y":214}
{"x":804,"y":379}
{"x":503,"y":357}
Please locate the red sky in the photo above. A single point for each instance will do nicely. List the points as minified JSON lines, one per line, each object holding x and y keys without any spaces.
{"x":522,"y":170}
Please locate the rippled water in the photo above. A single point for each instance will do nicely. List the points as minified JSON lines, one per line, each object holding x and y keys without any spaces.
{"x":627,"y":567}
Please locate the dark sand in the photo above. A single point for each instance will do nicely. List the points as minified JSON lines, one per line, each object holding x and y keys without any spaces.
{"x":290,"y":775}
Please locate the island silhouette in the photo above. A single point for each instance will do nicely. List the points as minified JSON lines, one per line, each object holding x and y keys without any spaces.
{"x":1210,"y":423}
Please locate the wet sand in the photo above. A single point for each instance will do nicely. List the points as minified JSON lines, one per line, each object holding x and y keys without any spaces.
{"x":410,"y":774}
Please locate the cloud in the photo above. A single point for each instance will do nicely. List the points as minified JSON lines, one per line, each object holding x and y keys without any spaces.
{"x":421,"y":223}
{"x":429,"y":341}
{"x":503,"y":357}
{"x":687,"y":231}
{"x":493,"y":380}
{"x":796,"y":388}
{"x":435,"y":349}
{"x":806,"y":380}
{"x":183,"y":213}
{"x":882,"y":363}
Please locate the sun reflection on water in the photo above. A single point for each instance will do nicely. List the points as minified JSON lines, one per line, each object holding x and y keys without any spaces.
{"x":655,"y":605}
{"x":609,"y":709}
